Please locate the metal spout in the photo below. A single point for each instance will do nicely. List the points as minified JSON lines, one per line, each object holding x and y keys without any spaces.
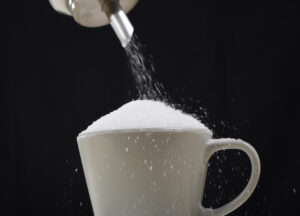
{"x":119,"y":21}
{"x":96,"y":13}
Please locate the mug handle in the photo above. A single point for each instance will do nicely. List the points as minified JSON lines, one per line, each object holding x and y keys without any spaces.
{"x":215,"y":145}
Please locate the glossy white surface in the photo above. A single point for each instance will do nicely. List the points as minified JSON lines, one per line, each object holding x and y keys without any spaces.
{"x":155,"y":172}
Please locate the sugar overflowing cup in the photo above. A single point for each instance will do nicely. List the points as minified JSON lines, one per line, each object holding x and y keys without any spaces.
{"x":147,"y":158}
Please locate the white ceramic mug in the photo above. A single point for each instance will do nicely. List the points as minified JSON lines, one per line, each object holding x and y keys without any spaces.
{"x":155,"y":171}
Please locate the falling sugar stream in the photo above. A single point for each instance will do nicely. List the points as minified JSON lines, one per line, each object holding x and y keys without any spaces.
{"x":142,"y":68}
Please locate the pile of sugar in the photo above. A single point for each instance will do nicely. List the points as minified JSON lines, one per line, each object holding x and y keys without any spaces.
{"x":145,"y":114}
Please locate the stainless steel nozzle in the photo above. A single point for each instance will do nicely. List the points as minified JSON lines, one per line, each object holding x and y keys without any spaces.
{"x":119,"y":21}
{"x":96,"y":13}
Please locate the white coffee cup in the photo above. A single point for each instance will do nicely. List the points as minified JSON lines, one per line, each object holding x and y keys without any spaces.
{"x":155,"y":171}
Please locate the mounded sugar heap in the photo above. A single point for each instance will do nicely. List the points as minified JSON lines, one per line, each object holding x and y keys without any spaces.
{"x":145,"y":114}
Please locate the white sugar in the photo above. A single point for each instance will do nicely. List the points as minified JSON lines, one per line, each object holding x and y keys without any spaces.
{"x":142,"y":70}
{"x":145,"y":114}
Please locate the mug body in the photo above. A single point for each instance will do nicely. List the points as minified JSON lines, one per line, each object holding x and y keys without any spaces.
{"x":145,"y":172}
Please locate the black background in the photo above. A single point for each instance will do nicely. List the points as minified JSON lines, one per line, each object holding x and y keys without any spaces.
{"x":238,"y":60}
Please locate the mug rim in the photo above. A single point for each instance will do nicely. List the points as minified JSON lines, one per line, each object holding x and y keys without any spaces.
{"x":205,"y":131}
